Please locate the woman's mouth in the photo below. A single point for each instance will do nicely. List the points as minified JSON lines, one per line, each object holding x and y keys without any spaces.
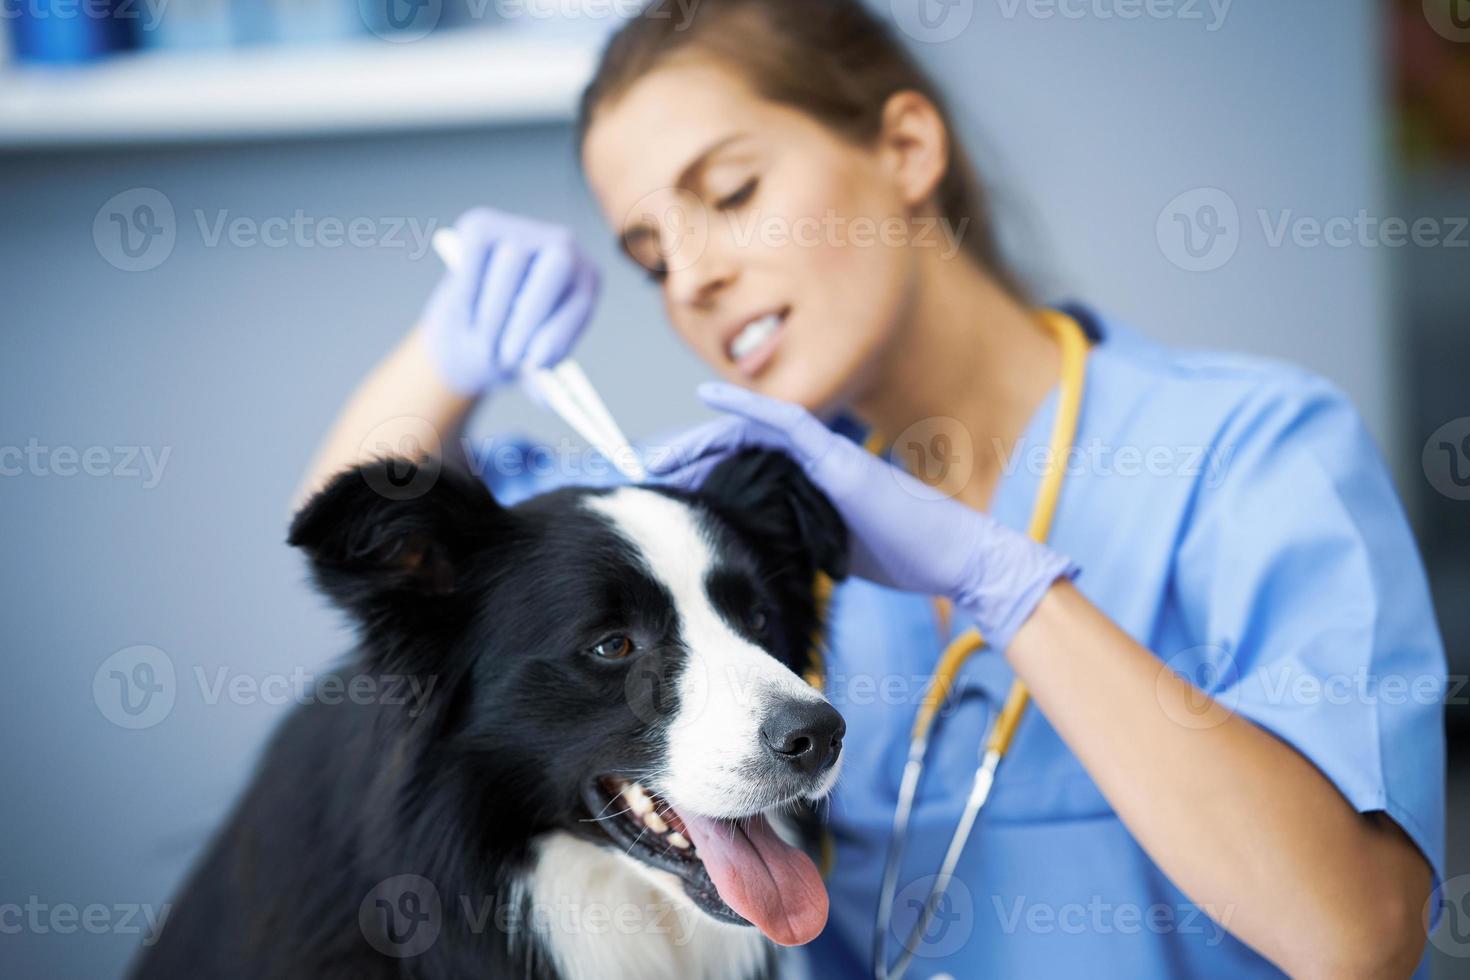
{"x":753,"y":347}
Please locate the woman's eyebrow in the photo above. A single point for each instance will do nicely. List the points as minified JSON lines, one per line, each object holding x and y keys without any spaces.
{"x":640,"y":233}
{"x":687,"y":175}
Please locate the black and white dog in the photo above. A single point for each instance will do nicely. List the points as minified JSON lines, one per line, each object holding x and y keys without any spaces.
{"x":586,"y":792}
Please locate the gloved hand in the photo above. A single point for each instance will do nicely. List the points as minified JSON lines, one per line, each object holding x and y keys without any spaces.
{"x":520,"y":298}
{"x":903,"y":533}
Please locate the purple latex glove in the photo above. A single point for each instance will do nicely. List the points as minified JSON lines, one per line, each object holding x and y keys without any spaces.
{"x":904,"y":534}
{"x":519,"y":300}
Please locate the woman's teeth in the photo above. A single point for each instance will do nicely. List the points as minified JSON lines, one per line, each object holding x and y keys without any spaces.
{"x":755,"y":333}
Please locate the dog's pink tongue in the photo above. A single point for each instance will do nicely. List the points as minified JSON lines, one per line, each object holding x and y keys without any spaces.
{"x":773,"y":885}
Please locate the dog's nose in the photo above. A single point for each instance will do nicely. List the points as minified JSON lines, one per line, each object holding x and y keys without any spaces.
{"x":806,"y":735}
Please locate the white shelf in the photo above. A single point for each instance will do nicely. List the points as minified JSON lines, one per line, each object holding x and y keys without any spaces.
{"x":460,"y":78}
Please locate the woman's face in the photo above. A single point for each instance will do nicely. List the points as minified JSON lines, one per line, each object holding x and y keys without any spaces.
{"x":778,"y":246}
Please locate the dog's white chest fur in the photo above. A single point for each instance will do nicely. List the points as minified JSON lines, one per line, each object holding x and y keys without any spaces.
{"x":601,"y":916}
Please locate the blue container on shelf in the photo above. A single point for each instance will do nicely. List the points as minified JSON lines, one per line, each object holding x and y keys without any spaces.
{"x":71,"y":32}
{"x":294,"y":21}
{"x":189,"y":24}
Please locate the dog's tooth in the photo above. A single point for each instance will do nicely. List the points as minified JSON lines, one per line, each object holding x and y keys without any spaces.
{"x":655,"y":822}
{"x":679,"y":840}
{"x":638,"y":799}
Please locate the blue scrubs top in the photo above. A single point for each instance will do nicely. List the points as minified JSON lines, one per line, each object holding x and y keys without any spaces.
{"x":1232,"y":515}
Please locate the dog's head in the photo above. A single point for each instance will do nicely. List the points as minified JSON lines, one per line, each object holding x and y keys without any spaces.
{"x":621,"y":665}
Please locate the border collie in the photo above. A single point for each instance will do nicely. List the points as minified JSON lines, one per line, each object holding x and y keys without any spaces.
{"x":591,"y":789}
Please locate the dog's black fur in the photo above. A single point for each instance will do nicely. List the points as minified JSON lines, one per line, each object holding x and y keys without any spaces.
{"x":497,"y":606}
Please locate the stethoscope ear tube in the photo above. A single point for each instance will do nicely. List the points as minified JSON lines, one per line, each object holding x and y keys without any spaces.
{"x":1074,"y":346}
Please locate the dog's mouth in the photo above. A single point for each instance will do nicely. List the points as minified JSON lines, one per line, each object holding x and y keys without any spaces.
{"x":736,"y":871}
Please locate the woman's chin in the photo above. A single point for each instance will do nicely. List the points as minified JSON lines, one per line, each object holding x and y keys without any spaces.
{"x":814,"y":389}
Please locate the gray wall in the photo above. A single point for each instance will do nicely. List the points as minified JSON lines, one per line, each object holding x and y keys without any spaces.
{"x":233,"y":359}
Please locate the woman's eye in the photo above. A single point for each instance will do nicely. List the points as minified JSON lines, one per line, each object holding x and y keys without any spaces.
{"x":744,"y":194}
{"x":614,"y":647}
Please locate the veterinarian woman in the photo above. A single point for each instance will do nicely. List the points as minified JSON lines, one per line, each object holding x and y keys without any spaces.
{"x":1233,"y":760}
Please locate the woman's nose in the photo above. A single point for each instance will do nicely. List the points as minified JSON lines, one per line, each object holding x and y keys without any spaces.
{"x":705,"y":260}
{"x":698,"y":282}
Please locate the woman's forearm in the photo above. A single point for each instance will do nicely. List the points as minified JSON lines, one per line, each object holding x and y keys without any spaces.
{"x":401,"y":408}
{"x":1241,"y":822}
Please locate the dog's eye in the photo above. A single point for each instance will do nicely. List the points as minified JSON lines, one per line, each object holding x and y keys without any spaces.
{"x":614,"y":647}
{"x":758,"y":620}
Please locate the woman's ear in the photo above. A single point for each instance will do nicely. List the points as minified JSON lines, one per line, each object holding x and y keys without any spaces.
{"x":393,"y":552}
{"x":766,"y":495}
{"x":913,"y":145}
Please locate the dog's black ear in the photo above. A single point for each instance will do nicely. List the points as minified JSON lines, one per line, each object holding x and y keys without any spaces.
{"x":390,"y":542}
{"x":766,"y":495}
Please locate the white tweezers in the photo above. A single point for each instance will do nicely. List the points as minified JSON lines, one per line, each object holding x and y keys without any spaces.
{"x":565,"y":389}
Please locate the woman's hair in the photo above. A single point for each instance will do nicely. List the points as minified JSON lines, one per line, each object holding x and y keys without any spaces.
{"x":831,"y":59}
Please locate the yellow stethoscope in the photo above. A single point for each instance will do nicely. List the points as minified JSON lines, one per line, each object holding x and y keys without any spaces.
{"x":1074,"y":348}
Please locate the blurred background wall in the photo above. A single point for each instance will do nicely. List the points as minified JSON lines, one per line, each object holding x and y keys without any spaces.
{"x":213,"y":372}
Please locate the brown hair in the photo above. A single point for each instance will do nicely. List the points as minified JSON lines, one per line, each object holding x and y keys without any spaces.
{"x":831,"y":59}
